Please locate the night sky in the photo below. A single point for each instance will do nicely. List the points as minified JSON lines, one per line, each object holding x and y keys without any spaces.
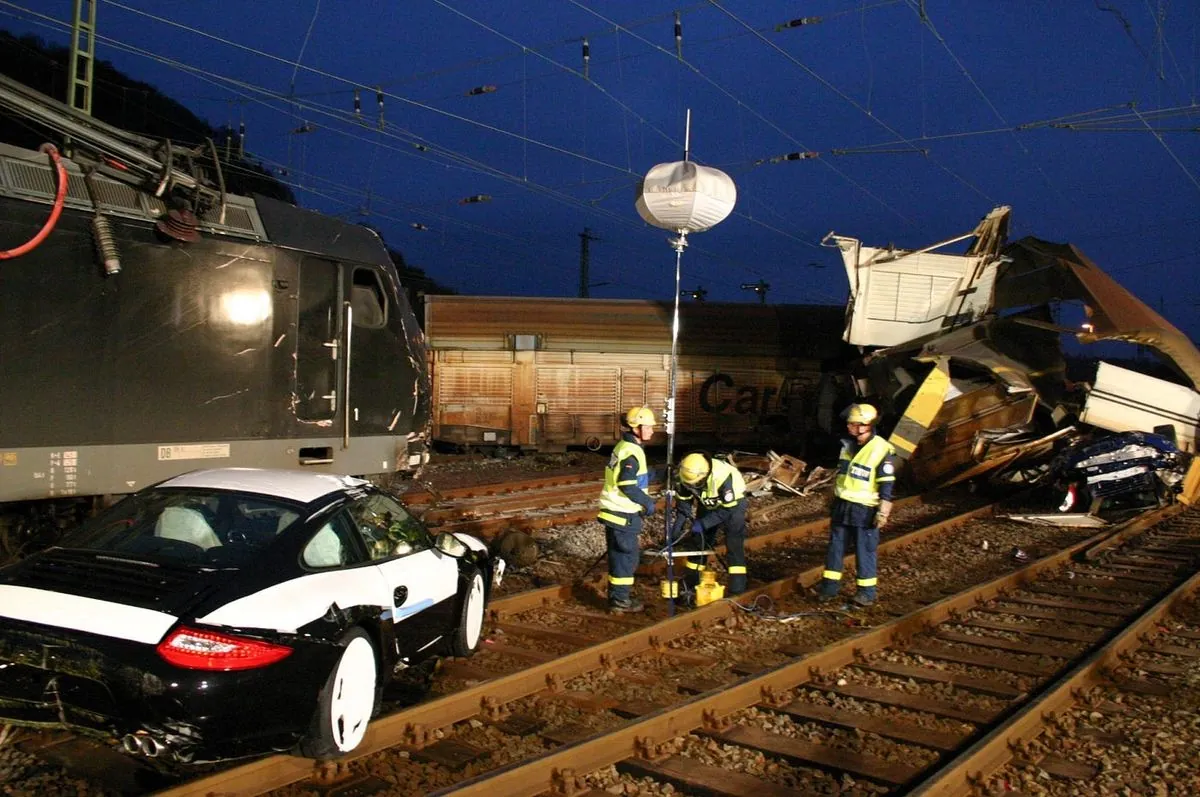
{"x":921,"y":116}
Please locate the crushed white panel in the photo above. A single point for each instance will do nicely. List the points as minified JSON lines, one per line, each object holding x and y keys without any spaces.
{"x":1126,"y":401}
{"x":898,"y":296}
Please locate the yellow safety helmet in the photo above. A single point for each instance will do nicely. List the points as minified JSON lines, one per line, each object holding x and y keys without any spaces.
{"x":862,"y":413}
{"x":640,"y":416}
{"x":693,"y":469}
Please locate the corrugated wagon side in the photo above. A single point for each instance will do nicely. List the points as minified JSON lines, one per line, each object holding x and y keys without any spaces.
{"x":547,"y":373}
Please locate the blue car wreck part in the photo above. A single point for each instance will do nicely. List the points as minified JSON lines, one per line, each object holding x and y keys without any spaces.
{"x":1121,"y":463}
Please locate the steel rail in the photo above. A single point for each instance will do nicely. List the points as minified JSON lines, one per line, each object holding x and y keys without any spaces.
{"x":996,"y":748}
{"x":545,"y":596}
{"x":557,"y":769}
{"x":416,"y":723}
{"x":421,"y":497}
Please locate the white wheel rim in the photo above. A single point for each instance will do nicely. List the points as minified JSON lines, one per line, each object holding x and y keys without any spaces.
{"x":353,"y":695}
{"x":474,"y":618}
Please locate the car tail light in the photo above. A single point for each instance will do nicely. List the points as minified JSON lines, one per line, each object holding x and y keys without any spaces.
{"x":209,"y":650}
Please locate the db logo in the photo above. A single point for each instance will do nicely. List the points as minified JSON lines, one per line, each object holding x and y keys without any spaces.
{"x":164,"y":452}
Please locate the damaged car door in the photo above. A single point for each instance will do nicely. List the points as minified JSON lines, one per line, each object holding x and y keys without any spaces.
{"x":422,"y":580}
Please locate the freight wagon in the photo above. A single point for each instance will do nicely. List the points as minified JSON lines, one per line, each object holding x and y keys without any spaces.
{"x":544,"y":374}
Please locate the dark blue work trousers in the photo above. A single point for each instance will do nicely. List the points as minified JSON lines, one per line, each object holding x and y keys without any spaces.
{"x":735,"y":550}
{"x":866,"y":541}
{"x":623,"y":554}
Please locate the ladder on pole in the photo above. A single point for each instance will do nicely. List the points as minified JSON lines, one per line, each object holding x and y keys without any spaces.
{"x":83,"y":56}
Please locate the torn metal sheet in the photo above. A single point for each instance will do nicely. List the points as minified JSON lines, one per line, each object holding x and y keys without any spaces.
{"x":971,"y":406}
{"x":1071,"y":520}
{"x":1190,"y":492}
{"x":924,"y":407}
{"x":995,"y":454}
{"x":899,"y":295}
{"x":1037,"y":272}
{"x":1127,"y":401}
{"x":1022,"y":356}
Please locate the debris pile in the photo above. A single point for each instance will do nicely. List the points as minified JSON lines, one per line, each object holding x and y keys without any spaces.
{"x":965,"y":353}
{"x":772,"y":471}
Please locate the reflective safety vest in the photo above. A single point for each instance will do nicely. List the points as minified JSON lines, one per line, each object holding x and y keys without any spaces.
{"x":858,"y":476}
{"x":611,"y":497}
{"x":716,"y":477}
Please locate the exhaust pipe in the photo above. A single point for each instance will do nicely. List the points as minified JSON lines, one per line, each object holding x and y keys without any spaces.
{"x":151,"y":747}
{"x":143,"y":744}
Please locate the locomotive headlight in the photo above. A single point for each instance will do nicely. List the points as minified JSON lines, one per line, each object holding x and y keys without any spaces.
{"x":245,"y":307}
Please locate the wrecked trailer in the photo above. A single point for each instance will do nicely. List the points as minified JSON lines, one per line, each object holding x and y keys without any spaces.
{"x":970,"y":360}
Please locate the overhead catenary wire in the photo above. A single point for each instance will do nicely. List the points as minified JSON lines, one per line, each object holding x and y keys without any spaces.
{"x":1171,"y":152}
{"x":923,"y":14}
{"x":824,"y":82}
{"x":380,"y":93}
{"x":622,"y":176}
{"x":699,"y":73}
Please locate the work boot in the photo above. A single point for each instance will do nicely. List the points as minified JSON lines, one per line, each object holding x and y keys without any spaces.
{"x":827,"y":591}
{"x":863,"y":599}
{"x":628,"y":605}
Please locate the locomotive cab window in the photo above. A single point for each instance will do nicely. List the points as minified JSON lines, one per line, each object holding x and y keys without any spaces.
{"x":367,"y":299}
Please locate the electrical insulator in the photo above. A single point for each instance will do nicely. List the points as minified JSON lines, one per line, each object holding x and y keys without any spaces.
{"x":471,"y":200}
{"x":475,"y":92}
{"x":794,"y":156}
{"x":357,"y":104}
{"x":587,"y":57}
{"x":242,"y":140}
{"x":678,"y":36}
{"x":416,"y":225}
{"x":379,"y":99}
{"x":106,"y":245}
{"x":795,"y":23}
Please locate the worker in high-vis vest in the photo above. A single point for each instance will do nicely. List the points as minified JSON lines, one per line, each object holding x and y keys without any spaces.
{"x":623,"y":503}
{"x":862,"y":504}
{"x":720,"y":490}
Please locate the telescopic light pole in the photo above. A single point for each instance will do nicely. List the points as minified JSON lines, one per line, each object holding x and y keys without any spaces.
{"x":679,"y":244}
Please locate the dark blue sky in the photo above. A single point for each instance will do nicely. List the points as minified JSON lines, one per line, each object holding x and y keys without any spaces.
{"x":976,"y":85}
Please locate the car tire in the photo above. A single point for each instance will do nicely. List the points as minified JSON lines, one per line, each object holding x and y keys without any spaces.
{"x":469,"y":629}
{"x":346,"y":702}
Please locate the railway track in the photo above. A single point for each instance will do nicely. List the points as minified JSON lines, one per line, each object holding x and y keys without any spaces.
{"x":889,"y":706}
{"x":548,"y":675}
{"x":525,"y":505}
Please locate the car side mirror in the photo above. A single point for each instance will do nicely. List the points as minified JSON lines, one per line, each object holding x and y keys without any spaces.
{"x":450,"y":545}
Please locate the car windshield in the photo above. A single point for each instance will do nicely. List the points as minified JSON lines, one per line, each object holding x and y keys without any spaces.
{"x":205,"y":528}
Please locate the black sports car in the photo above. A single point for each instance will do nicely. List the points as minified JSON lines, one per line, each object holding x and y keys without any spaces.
{"x":234,"y":611}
